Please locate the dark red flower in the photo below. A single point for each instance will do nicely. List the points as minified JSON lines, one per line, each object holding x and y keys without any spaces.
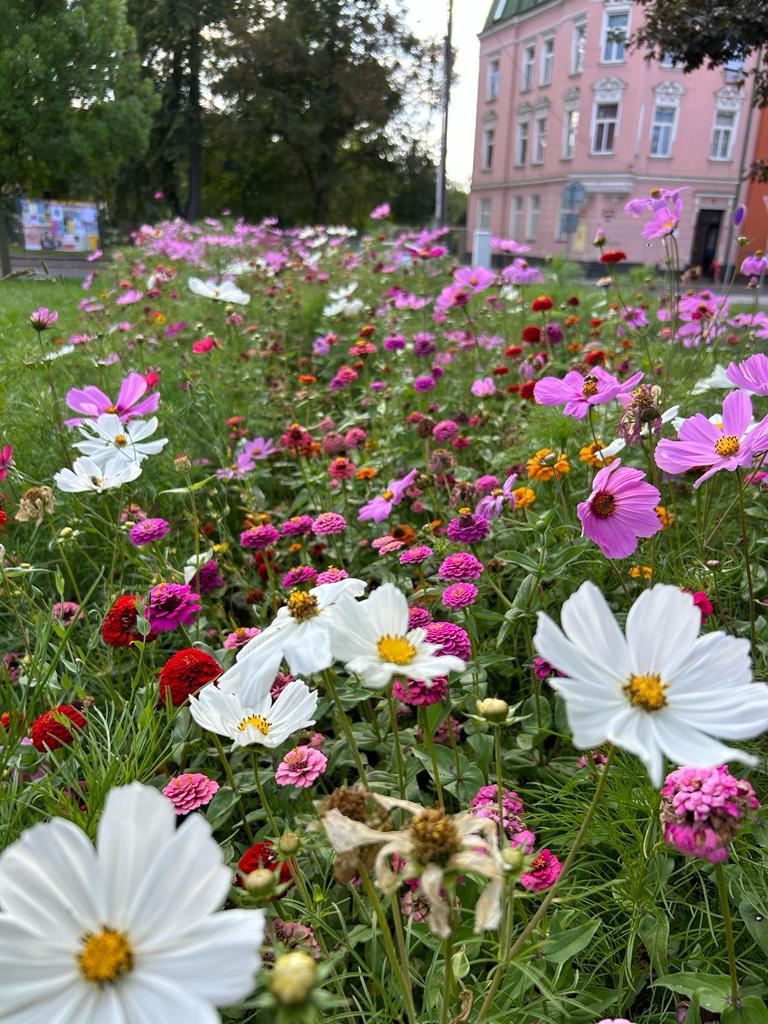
{"x":542,"y":303}
{"x":613,"y":257}
{"x":3,"y":518}
{"x":262,"y":855}
{"x":532,"y":335}
{"x":119,"y":627}
{"x":513,"y":350}
{"x":500,"y":371}
{"x":596,"y":356}
{"x":526,"y":390}
{"x":50,"y":734}
{"x":185,"y":672}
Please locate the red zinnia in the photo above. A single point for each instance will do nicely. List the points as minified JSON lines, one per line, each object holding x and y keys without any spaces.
{"x":119,"y":626}
{"x":262,"y":855}
{"x":526,"y":390}
{"x":50,"y":734}
{"x":613,"y":257}
{"x":185,"y":672}
{"x":542,"y":304}
{"x":597,"y":355}
{"x":532,"y":335}
{"x":513,"y":350}
{"x":3,"y":518}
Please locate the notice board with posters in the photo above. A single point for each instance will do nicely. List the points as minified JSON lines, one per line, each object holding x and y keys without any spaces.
{"x":52,"y":226}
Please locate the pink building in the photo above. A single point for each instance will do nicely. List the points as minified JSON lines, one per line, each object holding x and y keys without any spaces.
{"x":563,"y":100}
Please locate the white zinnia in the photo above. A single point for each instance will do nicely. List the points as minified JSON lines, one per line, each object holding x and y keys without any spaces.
{"x":223,"y":291}
{"x":299,"y":632}
{"x":109,"y":440}
{"x":662,"y":689}
{"x":87,"y":475}
{"x":373,"y":639}
{"x":127,"y":932}
{"x":254,"y":718}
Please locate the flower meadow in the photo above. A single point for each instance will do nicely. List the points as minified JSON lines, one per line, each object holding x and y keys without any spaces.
{"x":382,"y":639}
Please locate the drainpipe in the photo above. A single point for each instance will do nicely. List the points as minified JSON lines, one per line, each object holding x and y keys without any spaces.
{"x":742,"y":165}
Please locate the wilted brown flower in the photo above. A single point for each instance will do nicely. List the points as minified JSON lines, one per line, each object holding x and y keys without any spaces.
{"x":35,"y":503}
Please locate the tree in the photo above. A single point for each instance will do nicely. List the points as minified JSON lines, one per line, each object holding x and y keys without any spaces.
{"x":72,"y":102}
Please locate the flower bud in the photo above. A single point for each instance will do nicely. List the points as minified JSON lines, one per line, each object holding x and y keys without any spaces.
{"x":513,"y":857}
{"x":293,"y":978}
{"x":289,"y":844}
{"x":182,"y":464}
{"x":493,"y":709}
{"x":260,"y":882}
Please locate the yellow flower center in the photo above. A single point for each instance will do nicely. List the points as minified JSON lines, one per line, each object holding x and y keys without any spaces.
{"x":590,"y":386}
{"x":121,"y":439}
{"x":728,"y":445}
{"x":434,"y":837}
{"x":396,"y":650}
{"x":106,"y":956}
{"x":388,"y":495}
{"x":603,"y":504}
{"x":257,"y":721}
{"x":646,"y":692}
{"x":111,"y":408}
{"x":302,"y":605}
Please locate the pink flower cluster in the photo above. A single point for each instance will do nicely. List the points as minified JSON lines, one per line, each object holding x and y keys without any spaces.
{"x":301,"y":767}
{"x":702,"y":809}
{"x":189,"y":791}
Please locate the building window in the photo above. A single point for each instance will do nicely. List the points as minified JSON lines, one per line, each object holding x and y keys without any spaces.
{"x":499,"y":12}
{"x":662,"y":130}
{"x":516,"y":218}
{"x":604,"y":132}
{"x":615,"y":34}
{"x":529,"y":66}
{"x":494,"y":78}
{"x":734,"y":72}
{"x":547,"y":60}
{"x":521,"y":146}
{"x":489,"y":139}
{"x":570,"y":131}
{"x":540,"y":140}
{"x":579,"y":47}
{"x":723,"y":134}
{"x":484,"y":215}
{"x":532,"y":221}
{"x":668,"y":62}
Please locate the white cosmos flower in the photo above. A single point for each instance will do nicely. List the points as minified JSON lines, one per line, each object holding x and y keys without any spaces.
{"x":87,"y":475}
{"x":344,"y":307}
{"x":373,"y":639}
{"x":344,"y":292}
{"x":717,"y":379}
{"x":256,"y":720}
{"x":109,"y":440}
{"x":662,"y":689}
{"x":224,"y":291}
{"x":125,"y":933}
{"x":299,"y":632}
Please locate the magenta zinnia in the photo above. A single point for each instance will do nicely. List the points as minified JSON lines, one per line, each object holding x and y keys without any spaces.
{"x":620,"y":509}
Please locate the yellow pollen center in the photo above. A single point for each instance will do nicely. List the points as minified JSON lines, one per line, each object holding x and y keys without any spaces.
{"x":496,"y":492}
{"x":728,"y":445}
{"x":603,"y":504}
{"x":465,"y":511}
{"x":646,"y":692}
{"x":388,"y":495}
{"x":257,"y":721}
{"x":111,"y":408}
{"x":106,"y":956}
{"x":590,"y":386}
{"x":121,"y":439}
{"x":396,"y":650}
{"x":302,"y":605}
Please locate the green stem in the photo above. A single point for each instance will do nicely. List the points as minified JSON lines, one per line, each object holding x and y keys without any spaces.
{"x":448,"y":981}
{"x":346,"y":726}
{"x":398,"y":748}
{"x":262,"y":794}
{"x":231,"y":779}
{"x":397,"y":917}
{"x":499,"y":787}
{"x":722,"y":888}
{"x":389,"y":946}
{"x":429,"y":743}
{"x":748,"y":567}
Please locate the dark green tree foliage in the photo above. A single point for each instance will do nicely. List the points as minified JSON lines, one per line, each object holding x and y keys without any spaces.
{"x":72,"y":103}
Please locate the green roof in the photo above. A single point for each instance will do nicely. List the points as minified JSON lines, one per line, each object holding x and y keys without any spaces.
{"x":501,"y":10}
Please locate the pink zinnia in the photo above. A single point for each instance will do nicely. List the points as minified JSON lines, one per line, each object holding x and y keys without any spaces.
{"x":620,"y":510}
{"x":329,"y":523}
{"x":452,"y":639}
{"x":239,"y":637}
{"x":421,"y":692}
{"x":416,"y":555}
{"x":171,"y":605}
{"x":543,"y":873}
{"x":299,"y":574}
{"x":461,"y":566}
{"x":379,"y":508}
{"x":459,"y":595}
{"x":468,"y":528}
{"x":189,"y":791}
{"x":301,"y":767}
{"x":259,"y":537}
{"x":418,"y":618}
{"x":577,"y":394}
{"x":751,"y":375}
{"x":91,"y":402}
{"x":296,"y":526}
{"x":148,"y":530}
{"x":700,"y":443}
{"x":332,"y":575}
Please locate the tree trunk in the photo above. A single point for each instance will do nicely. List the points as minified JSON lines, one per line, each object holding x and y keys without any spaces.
{"x":195,"y":123}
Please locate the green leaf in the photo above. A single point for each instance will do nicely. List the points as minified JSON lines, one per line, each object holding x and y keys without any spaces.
{"x":712,"y":989}
{"x":757,"y":925}
{"x":460,"y":964}
{"x":752,"y":1011}
{"x":565,"y":946}
{"x":654,"y":932}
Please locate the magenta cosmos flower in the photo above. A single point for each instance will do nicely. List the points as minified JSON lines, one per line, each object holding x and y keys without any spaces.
{"x":492,"y":505}
{"x":189,"y":791}
{"x":620,"y":509}
{"x":379,"y":508}
{"x":171,"y":605}
{"x":578,"y":393}
{"x":6,"y":457}
{"x":751,"y":375}
{"x":301,"y":767}
{"x":700,"y":443}
{"x":91,"y":402}
{"x":43,"y":318}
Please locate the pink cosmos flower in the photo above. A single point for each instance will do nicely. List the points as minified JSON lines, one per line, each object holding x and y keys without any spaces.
{"x":301,"y":767}
{"x":492,"y":505}
{"x":700,"y":443}
{"x":664,"y":222}
{"x":476,"y":279}
{"x":129,"y":297}
{"x":482,"y":387}
{"x":508,"y":245}
{"x":754,"y":266}
{"x":6,"y":457}
{"x":91,"y":402}
{"x":41,"y":319}
{"x":190,"y":791}
{"x":379,"y":508}
{"x":620,"y":510}
{"x":381,"y":212}
{"x":577,"y":393}
{"x":751,"y":375}
{"x":661,"y":197}
{"x":543,"y":873}
{"x":206,"y":345}
{"x":520,"y":272}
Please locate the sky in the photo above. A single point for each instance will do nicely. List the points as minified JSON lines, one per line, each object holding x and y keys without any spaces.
{"x":427,"y":19}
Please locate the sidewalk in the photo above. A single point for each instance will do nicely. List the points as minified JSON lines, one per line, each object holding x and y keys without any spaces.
{"x":52,"y":264}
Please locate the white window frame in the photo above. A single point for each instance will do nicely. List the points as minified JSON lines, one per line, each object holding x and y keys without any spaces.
{"x":528,"y":67}
{"x":493,"y":80}
{"x":569,"y":112}
{"x":516,"y":218}
{"x":522,"y":122}
{"x":578,"y":54}
{"x":600,"y":102}
{"x":488,"y":145}
{"x":608,"y":13}
{"x":532,"y":218}
{"x":484,"y":213}
{"x":547,"y":60}
{"x":670,"y":125}
{"x":539,"y":150}
{"x":719,"y":111}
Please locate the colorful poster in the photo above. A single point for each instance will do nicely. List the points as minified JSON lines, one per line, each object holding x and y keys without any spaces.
{"x":59,"y":226}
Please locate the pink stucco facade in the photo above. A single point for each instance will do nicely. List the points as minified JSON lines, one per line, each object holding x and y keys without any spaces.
{"x":561,"y":100}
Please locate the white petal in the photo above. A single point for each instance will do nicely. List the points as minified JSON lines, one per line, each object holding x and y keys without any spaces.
{"x":574,"y":660}
{"x":686,"y":746}
{"x":662,"y":626}
{"x":293,"y":710}
{"x":387,"y":610}
{"x":713,"y":659}
{"x":33,"y":968}
{"x":589,"y":623}
{"x":308,"y":648}
{"x":631,"y":730}
{"x":148,"y":999}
